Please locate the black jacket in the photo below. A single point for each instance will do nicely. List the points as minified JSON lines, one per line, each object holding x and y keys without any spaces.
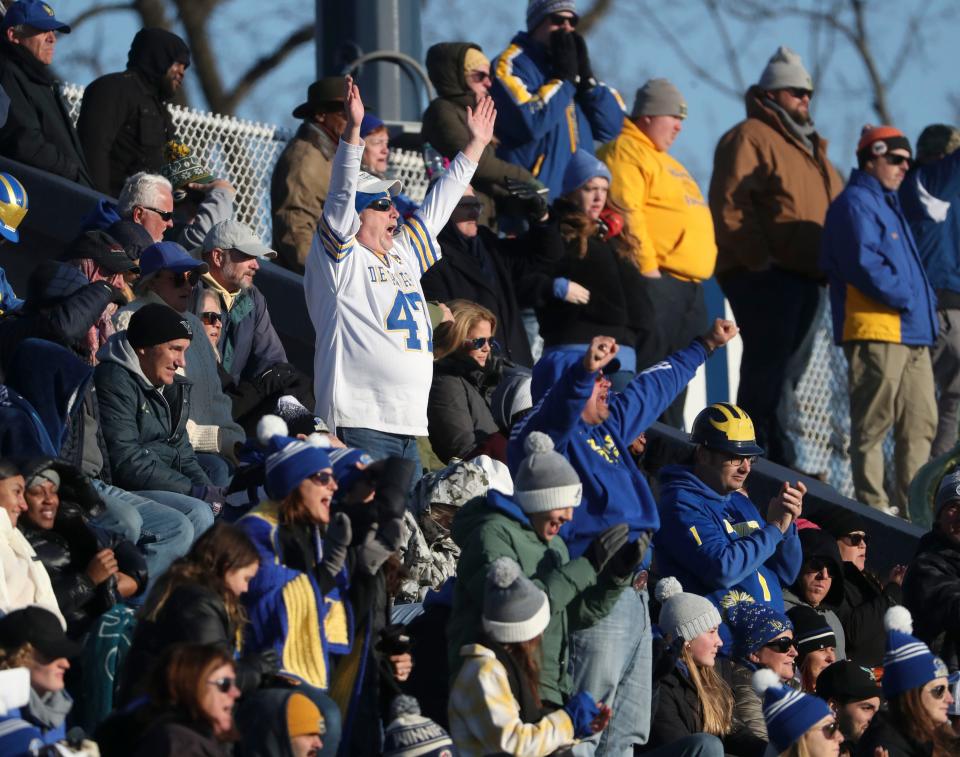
{"x":192,"y":613}
{"x":458,"y":415}
{"x":503,"y":275}
{"x":861,"y":614}
{"x":678,"y":715}
{"x":931,"y":591}
{"x":609,"y":279}
{"x":882,"y":731}
{"x":38,"y":130}
{"x":124,"y":122}
{"x":66,"y":550}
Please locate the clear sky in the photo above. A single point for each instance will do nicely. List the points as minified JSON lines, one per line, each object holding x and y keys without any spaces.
{"x":627,"y":48}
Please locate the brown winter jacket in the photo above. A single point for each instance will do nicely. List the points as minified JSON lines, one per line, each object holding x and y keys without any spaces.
{"x":445,"y":125}
{"x":298,"y":190}
{"x":769,"y":195}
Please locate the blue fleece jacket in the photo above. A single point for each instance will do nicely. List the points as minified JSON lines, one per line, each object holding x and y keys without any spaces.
{"x":930,"y":195}
{"x":614,"y":489}
{"x":719,"y":546}
{"x":541,"y":121}
{"x":878,"y":288}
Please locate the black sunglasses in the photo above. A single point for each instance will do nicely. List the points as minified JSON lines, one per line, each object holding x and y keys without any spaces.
{"x":479,"y":343}
{"x":323,"y":478}
{"x":184,"y":277}
{"x":381,"y":205}
{"x":896,"y":160}
{"x":211,"y":317}
{"x":800,"y":93}
{"x":816,"y":564}
{"x":830,"y":729}
{"x":937,"y":692}
{"x":558,"y":19}
{"x":855,"y":540}
{"x":781,"y":645}
{"x":166,"y":215}
{"x":224,"y":684}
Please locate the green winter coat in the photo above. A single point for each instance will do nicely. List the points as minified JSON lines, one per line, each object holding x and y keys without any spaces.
{"x":145,"y":429}
{"x":495,"y":526}
{"x":444,"y":124}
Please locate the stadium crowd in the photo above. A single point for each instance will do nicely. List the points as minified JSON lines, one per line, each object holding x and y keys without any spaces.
{"x":206,"y":550}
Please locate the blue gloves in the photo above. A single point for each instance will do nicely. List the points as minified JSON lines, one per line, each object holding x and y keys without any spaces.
{"x":582,"y":710}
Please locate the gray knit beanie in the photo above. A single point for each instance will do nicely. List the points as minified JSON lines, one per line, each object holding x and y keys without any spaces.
{"x":514,"y":609}
{"x":659,"y":97}
{"x":785,"y":69}
{"x":37,"y":478}
{"x":682,"y":615}
{"x":545,"y":479}
{"x":948,"y":491}
{"x":537,"y":10}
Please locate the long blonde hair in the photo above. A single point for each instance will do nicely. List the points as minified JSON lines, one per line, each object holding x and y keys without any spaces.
{"x":466,"y":315}
{"x":715,"y":696}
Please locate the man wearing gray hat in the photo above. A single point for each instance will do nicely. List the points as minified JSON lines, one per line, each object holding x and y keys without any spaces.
{"x":667,"y":213}
{"x":931,"y":587}
{"x":298,"y":187}
{"x":771,"y":186}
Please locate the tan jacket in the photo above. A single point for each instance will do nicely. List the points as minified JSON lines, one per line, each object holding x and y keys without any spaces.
{"x":769,"y":195}
{"x":298,"y":190}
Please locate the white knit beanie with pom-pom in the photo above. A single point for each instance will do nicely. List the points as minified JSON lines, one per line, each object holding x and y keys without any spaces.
{"x":545,"y":479}
{"x":683,"y":615}
{"x":514,"y":608}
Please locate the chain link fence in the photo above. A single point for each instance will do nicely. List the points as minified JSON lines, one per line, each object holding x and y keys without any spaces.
{"x":244,"y":153}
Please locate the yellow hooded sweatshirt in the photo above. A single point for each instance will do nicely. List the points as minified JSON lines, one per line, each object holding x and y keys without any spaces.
{"x":666,"y":209}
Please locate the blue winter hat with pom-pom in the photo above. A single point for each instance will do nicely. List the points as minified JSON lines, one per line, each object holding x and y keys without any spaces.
{"x":545,"y":479}
{"x":514,"y":608}
{"x":289,"y":461}
{"x":908,"y":663}
{"x":788,"y":713}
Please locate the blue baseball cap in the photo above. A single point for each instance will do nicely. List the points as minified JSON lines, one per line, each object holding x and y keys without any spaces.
{"x":171,"y":257}
{"x":369,"y":123}
{"x":33,"y":13}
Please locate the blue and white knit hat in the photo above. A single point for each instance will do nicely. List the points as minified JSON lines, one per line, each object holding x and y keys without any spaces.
{"x":788,"y":713}
{"x":344,"y":461}
{"x":908,"y":663}
{"x":753,"y":624}
{"x":289,"y":461}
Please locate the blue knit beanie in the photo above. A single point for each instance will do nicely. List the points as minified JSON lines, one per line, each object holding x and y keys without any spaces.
{"x":788,"y":713}
{"x":344,"y":461}
{"x":289,"y":461}
{"x":582,"y":167}
{"x":752,"y":625}
{"x":908,"y":663}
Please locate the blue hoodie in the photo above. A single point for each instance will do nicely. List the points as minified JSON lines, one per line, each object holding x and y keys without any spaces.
{"x":614,"y":489}
{"x":719,"y":546}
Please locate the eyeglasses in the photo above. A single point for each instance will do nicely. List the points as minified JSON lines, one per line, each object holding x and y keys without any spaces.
{"x":781,"y":645}
{"x":223,"y":685}
{"x":800,"y":93}
{"x":558,"y":19}
{"x":830,"y":729}
{"x":855,"y":540}
{"x":479,"y":343}
{"x":937,"y":692}
{"x":895,"y":160}
{"x":381,"y":205}
{"x":323,"y":478}
{"x":211,"y":317}
{"x":479,"y":76}
{"x":166,"y":215}
{"x":182,"y":278}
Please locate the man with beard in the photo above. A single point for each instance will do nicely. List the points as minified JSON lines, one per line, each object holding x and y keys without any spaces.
{"x":124,"y":122}
{"x":852,"y":692}
{"x":38,"y":130}
{"x":771,"y":186}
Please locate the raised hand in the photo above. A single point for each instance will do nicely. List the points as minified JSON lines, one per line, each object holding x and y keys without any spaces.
{"x":721,"y":333}
{"x":601,"y":351}
{"x":480,"y":121}
{"x":353,"y":112}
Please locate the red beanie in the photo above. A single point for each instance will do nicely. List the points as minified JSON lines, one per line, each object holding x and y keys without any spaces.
{"x":878,"y":140}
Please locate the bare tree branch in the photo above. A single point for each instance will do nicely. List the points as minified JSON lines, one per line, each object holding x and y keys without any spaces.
{"x":729,"y":49}
{"x":99,"y":10}
{"x":266,"y":64}
{"x":593,"y":16}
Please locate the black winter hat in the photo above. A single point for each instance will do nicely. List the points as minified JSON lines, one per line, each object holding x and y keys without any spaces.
{"x":838,"y":521}
{"x":810,"y":630}
{"x":153,"y":51}
{"x":156,"y":324}
{"x":846,"y":682}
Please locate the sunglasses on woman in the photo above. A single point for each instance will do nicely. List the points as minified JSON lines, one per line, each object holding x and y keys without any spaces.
{"x":223,"y":685}
{"x":211,"y":317}
{"x":830,"y":729}
{"x":855,"y":540}
{"x":323,"y":479}
{"x":382,"y":205}
{"x":479,"y":343}
{"x":781,"y":645}
{"x":184,"y":278}
{"x":938,"y":692}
